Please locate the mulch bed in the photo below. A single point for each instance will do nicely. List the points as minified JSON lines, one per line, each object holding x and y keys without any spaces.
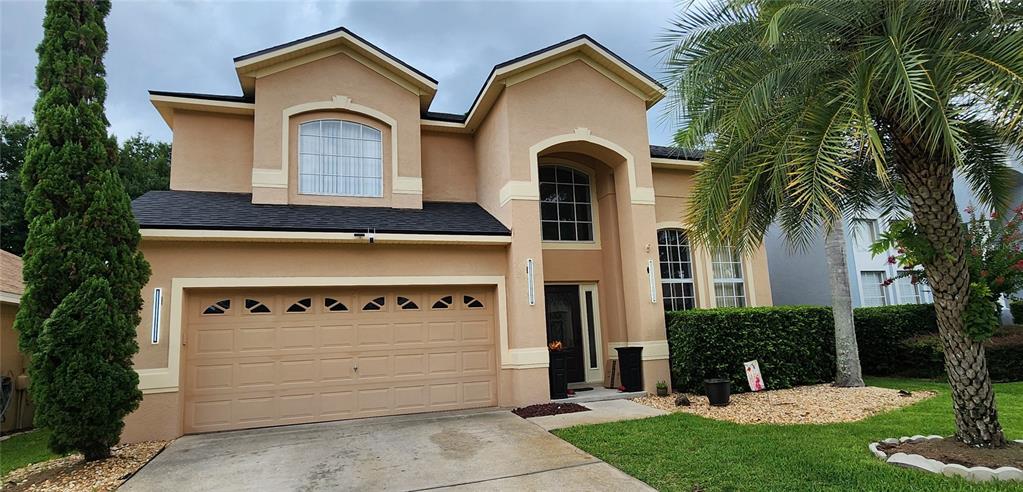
{"x":951,"y":451}
{"x":549,"y":409}
{"x":72,"y":473}
{"x":816,"y":404}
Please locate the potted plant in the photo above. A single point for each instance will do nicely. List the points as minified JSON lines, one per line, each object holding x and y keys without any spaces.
{"x":662,"y":388}
{"x":557,"y":370}
{"x":719,"y":390}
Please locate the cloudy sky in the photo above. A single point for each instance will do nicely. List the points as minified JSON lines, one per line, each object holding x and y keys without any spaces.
{"x":189,"y":46}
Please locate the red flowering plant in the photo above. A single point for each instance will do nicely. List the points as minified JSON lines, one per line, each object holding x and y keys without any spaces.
{"x":994,"y":254}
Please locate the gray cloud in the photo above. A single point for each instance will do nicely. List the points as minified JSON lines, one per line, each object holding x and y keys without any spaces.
{"x":189,"y":46}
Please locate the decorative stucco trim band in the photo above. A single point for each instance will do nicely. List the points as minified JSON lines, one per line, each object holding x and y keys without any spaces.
{"x":10,"y":298}
{"x":166,"y":379}
{"x":297,"y":236}
{"x":652,"y":350}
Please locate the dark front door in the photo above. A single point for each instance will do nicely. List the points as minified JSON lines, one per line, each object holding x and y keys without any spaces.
{"x":564,"y":323}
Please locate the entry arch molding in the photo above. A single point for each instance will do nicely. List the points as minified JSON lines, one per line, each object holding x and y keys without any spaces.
{"x":530,"y":190}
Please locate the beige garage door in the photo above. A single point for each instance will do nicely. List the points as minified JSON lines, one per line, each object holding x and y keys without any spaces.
{"x":265,"y":357}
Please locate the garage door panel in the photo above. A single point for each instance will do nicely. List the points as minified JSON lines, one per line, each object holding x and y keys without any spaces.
{"x":326,"y":354}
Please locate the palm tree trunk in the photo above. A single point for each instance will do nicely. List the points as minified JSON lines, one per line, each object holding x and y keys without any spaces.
{"x":929,"y":188}
{"x":847,"y":354}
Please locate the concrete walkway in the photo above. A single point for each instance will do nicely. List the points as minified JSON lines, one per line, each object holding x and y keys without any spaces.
{"x":491,"y":450}
{"x":600,"y":412}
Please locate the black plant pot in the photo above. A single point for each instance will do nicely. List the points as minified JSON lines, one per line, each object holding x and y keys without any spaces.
{"x":557,"y":375}
{"x":718,"y":391}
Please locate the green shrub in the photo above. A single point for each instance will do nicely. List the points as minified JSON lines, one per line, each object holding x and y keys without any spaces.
{"x":1016,"y":308}
{"x":880,"y":332}
{"x":795,"y":345}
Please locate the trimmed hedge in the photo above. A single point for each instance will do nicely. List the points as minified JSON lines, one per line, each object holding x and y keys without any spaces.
{"x":880,"y":331}
{"x":1016,"y":308}
{"x":795,"y":345}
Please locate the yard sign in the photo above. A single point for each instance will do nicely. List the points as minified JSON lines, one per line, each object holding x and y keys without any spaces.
{"x":756,"y":381}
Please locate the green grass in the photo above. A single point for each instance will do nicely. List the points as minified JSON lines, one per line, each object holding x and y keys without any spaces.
{"x":686,"y":452}
{"x":23,"y":450}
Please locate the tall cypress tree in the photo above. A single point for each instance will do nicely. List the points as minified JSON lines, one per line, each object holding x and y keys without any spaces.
{"x":83,"y":271}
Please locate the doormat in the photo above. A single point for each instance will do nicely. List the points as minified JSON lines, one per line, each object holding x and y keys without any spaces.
{"x":582,"y":389}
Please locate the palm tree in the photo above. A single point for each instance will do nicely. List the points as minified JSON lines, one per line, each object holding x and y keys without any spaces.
{"x":847,"y":354}
{"x":809,"y":109}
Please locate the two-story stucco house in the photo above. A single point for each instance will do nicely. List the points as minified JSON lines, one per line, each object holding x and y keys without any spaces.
{"x":332,"y":249}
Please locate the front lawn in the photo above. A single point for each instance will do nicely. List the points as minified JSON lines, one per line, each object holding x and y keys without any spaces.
{"x":686,"y":452}
{"x":23,"y":450}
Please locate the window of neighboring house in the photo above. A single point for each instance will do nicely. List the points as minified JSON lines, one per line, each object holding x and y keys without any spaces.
{"x":729,"y":290}
{"x":566,"y":209}
{"x":873,"y":291}
{"x":340,"y":158}
{"x":910,"y":293}
{"x":865,"y":233}
{"x":676,"y":270}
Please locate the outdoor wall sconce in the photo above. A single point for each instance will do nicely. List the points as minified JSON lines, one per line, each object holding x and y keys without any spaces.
{"x":157,"y":307}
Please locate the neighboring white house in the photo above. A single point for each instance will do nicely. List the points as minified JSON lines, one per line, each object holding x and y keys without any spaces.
{"x":801,"y":277}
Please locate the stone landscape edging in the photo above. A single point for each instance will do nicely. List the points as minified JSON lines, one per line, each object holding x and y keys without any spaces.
{"x":975,"y":473}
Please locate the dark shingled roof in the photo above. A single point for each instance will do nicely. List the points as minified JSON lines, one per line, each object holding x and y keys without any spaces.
{"x":662,"y":152}
{"x":209,"y":97}
{"x":448,"y":117}
{"x":235,"y":211}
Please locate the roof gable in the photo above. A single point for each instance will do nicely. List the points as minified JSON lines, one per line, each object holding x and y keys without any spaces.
{"x":311,"y":48}
{"x":522,"y":68}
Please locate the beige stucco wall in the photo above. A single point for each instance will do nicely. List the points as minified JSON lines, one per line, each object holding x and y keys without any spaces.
{"x":211,"y":152}
{"x":673,"y":189}
{"x":13,"y":363}
{"x":320,"y":81}
{"x":449,"y":167}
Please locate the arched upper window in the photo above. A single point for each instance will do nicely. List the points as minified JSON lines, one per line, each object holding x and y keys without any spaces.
{"x":676,"y":270}
{"x":340,"y":158}
{"x":566,"y":208}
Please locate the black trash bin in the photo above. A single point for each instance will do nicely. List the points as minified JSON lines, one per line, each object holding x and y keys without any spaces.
{"x":630,"y":363}
{"x":718,"y":391}
{"x":557,"y":374}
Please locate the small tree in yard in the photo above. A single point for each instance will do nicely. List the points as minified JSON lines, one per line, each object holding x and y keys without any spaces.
{"x":83,"y":271}
{"x":994,"y":259}
{"x":811,"y":109}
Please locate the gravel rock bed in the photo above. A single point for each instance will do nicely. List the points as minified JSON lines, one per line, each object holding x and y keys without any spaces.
{"x":73,"y":474}
{"x":817,"y":404}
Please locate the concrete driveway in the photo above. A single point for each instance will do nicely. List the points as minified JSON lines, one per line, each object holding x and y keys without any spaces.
{"x":491,"y":450}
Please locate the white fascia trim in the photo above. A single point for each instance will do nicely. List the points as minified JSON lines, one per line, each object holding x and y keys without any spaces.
{"x":338,"y":36}
{"x":10,"y":298}
{"x":166,"y":105}
{"x":167,"y":379}
{"x":337,"y":237}
{"x":554,"y":53}
{"x":663,"y":163}
{"x":653,"y":350}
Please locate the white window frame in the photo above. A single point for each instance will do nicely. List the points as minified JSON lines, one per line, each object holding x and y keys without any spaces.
{"x":591,"y":203}
{"x":869,"y":226}
{"x":670,"y":301}
{"x":348,"y":168}
{"x":864,"y":281}
{"x":735,"y":285}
